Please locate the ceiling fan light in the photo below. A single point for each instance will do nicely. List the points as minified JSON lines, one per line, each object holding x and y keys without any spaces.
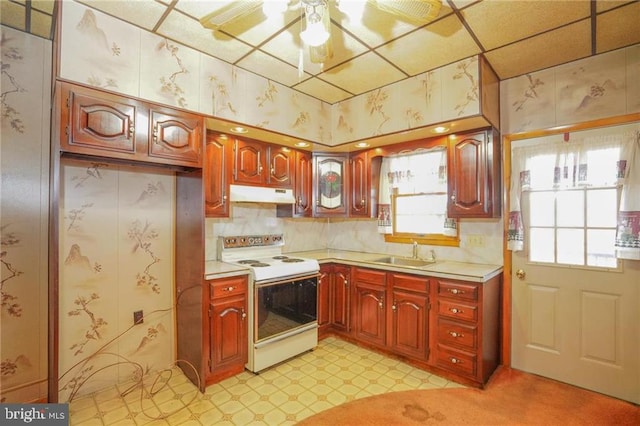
{"x":315,"y":34}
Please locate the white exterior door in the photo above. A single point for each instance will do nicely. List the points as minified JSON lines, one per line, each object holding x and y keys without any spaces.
{"x":573,"y":318}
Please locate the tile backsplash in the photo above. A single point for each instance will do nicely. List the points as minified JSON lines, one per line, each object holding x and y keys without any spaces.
{"x":350,"y":234}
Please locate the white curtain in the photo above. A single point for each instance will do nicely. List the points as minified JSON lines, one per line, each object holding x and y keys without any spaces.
{"x":418,"y":172}
{"x":594,"y":161}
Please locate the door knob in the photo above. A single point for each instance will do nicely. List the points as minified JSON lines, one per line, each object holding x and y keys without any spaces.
{"x":520,"y":274}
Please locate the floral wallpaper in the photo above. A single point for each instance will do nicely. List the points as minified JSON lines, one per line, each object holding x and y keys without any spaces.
{"x":116,"y":257}
{"x":600,"y":86}
{"x":24,"y":183}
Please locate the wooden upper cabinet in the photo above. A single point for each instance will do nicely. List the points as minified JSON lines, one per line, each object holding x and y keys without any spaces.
{"x":98,"y":123}
{"x":360,"y":185}
{"x":215,"y":176}
{"x":303,"y":187}
{"x":249,"y":157}
{"x":261,"y":164}
{"x":281,"y":166}
{"x":330,"y":185}
{"x":176,"y":135}
{"x":474,"y":175}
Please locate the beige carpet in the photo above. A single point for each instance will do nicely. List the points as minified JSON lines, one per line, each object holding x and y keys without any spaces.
{"x":511,"y":398}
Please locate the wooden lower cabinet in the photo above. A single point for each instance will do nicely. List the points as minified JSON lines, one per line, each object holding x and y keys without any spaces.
{"x":334,"y":298}
{"x":467,"y":322}
{"x":227,"y":335}
{"x":448,"y":326}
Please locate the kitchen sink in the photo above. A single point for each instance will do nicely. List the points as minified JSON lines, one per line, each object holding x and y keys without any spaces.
{"x":404,"y":261}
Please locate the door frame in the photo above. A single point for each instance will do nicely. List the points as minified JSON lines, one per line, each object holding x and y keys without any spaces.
{"x":505,"y":350}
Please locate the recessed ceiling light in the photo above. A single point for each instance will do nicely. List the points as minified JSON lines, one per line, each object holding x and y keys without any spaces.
{"x":302,"y":144}
{"x":239,"y":129}
{"x":362,"y":145}
{"x":440,"y":129}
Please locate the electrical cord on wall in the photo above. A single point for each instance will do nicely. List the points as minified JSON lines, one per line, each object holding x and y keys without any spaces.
{"x":139,"y":382}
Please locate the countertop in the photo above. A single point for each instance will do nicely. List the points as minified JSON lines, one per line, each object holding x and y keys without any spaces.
{"x":441,"y":268}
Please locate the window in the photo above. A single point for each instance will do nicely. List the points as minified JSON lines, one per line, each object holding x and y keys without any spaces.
{"x":413,"y":198}
{"x":574,"y":227}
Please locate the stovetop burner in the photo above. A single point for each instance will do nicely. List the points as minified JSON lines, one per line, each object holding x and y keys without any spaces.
{"x":263,"y":255}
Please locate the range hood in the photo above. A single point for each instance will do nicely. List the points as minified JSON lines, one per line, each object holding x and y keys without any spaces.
{"x":260,"y":194}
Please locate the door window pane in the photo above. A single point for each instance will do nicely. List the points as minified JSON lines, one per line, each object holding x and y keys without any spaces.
{"x":541,"y":245}
{"x":570,"y":205}
{"x":571,"y":246}
{"x":542,"y":208}
{"x":600,"y":249}
{"x":601,"y":207}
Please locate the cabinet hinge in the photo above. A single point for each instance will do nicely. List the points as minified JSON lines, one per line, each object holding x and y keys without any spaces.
{"x":66,"y":130}
{"x":69,"y":102}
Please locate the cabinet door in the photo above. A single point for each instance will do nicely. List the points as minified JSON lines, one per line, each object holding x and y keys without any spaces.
{"x":215,"y":176}
{"x":409,"y":324}
{"x":280,"y":167}
{"x":97,"y":123}
{"x":360,"y":186}
{"x":340,"y":297}
{"x":324,"y":297}
{"x":249,"y":158}
{"x":228,"y":333}
{"x":176,"y":136}
{"x":370,"y":313}
{"x":303,"y":185}
{"x":474,"y":176}
{"x":330,"y":186}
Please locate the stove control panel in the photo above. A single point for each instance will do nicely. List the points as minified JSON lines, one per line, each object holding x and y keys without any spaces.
{"x":252,"y":241}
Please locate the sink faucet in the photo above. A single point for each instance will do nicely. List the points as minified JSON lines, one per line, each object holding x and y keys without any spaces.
{"x":433,"y":254}
{"x":415,"y":249}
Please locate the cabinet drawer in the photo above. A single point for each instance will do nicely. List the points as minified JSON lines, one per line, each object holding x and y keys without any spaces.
{"x":370,"y":276}
{"x":457,"y":290}
{"x":227,"y":287}
{"x":452,"y":333}
{"x":411,"y":283}
{"x":452,"y":309}
{"x":457,"y":361}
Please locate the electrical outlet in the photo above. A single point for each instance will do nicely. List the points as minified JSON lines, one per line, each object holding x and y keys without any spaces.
{"x":138,"y":317}
{"x":475,"y":240}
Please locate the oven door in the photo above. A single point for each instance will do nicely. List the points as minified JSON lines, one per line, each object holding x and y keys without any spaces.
{"x":285,"y":307}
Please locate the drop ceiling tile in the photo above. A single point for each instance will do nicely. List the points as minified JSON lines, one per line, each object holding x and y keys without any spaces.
{"x":141,"y":13}
{"x":45,"y":6}
{"x":287,"y":44}
{"x":41,"y":24}
{"x":13,"y":15}
{"x":546,"y":50}
{"x":618,"y":28}
{"x":441,"y":43}
{"x":377,"y":27}
{"x":364,"y":73}
{"x":602,"y":6}
{"x":322,"y":90}
{"x":269,"y":67}
{"x":188,"y":31}
{"x":497,"y":23}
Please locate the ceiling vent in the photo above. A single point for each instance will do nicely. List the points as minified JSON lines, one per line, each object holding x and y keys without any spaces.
{"x":229,"y":13}
{"x":419,"y":11}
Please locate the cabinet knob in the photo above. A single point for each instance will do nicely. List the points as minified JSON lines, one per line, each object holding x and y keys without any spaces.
{"x":346,"y":282}
{"x":132,"y":130}
{"x":455,"y":335}
{"x":155,"y":135}
{"x":230,"y":288}
{"x":455,"y":361}
{"x":381,"y":304}
{"x":453,"y":197}
{"x":456,"y":310}
{"x":394,"y":307}
{"x":455,"y":291}
{"x":244,"y":314}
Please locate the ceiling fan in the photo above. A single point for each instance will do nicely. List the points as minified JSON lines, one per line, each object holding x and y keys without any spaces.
{"x":315,"y":13}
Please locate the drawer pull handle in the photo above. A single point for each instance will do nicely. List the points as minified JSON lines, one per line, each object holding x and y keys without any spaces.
{"x":456,"y":335}
{"x":231,"y":288}
{"x":456,"y":361}
{"x":456,"y":311}
{"x":456,"y":291}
